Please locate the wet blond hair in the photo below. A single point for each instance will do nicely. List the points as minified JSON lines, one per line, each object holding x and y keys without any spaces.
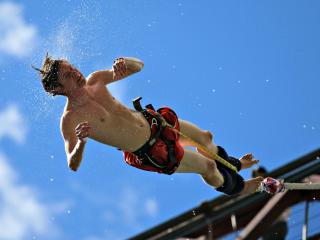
{"x":49,"y":74}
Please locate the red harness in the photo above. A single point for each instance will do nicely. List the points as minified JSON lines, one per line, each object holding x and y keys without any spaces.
{"x":162,"y":152}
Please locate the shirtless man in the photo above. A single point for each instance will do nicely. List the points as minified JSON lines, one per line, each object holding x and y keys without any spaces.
{"x":92,"y":112}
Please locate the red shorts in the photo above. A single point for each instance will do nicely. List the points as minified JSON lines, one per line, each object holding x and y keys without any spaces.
{"x":158,"y":152}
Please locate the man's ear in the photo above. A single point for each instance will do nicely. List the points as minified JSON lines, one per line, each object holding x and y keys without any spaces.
{"x":59,"y":90}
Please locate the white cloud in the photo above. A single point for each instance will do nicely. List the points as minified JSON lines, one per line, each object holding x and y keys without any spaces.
{"x":21,"y":213}
{"x":129,"y":206}
{"x":151,"y":207}
{"x":12,"y":124}
{"x":132,"y":206}
{"x":17,"y":38}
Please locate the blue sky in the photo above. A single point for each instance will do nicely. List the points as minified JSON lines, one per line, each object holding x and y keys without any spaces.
{"x":246,"y":70}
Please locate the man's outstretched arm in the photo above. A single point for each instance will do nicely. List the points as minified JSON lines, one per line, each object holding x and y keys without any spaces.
{"x":75,"y":141}
{"x":121,"y":68}
{"x":75,"y":157}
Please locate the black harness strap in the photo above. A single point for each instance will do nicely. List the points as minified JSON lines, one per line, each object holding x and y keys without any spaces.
{"x":137,"y":105}
{"x":171,"y":151}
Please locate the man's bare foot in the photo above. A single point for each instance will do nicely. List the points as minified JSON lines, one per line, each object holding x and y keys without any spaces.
{"x":248,"y":161}
{"x":251,"y":185}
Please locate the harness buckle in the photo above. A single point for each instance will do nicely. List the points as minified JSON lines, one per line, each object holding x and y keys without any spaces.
{"x":137,"y":104}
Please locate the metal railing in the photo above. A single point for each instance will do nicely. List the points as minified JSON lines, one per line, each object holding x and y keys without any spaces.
{"x":217,"y":212}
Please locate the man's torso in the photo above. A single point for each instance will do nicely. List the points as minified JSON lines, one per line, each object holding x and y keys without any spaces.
{"x":111,"y":122}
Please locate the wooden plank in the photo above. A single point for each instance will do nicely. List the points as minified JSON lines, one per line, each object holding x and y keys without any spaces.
{"x":265,"y":216}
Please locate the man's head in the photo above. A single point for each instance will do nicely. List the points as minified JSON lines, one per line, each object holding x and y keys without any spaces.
{"x":59,"y":77}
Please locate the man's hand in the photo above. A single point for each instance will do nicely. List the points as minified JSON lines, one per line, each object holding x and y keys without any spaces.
{"x":119,"y":68}
{"x":82,"y":131}
{"x":248,"y":161}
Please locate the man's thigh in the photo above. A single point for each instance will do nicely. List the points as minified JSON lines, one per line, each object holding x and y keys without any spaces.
{"x":195,"y":133}
{"x":193,"y":162}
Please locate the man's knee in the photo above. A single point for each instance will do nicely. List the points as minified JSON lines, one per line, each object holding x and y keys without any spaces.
{"x":210,"y":135}
{"x":207,"y":137}
{"x":211,"y":168}
{"x":212,"y":175}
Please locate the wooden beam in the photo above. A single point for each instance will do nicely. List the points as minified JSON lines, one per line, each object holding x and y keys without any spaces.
{"x":265,"y":216}
{"x":275,"y":206}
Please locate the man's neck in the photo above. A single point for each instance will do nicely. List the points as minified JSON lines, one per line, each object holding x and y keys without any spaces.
{"x":77,"y":97}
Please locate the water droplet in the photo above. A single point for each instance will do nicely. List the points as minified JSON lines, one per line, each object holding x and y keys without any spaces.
{"x":51,"y":179}
{"x":68,"y":211}
{"x":267,"y":80}
{"x":52,"y":157}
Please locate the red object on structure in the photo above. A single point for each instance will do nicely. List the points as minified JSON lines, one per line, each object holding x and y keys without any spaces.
{"x":271,"y":185}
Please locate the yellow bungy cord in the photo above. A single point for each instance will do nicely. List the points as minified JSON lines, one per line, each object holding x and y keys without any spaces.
{"x":203,"y":148}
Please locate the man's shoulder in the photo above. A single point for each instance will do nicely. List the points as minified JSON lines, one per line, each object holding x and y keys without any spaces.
{"x":94,"y":78}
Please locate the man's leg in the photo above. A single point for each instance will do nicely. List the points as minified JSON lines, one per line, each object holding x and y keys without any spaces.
{"x":200,"y":136}
{"x":193,"y":162}
{"x":205,"y":138}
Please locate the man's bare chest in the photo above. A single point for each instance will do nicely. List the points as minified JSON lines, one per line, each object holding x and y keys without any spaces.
{"x":102,"y":108}
{"x":94,"y":112}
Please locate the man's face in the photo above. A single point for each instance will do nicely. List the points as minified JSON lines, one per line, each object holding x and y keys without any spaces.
{"x":69,"y":77}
